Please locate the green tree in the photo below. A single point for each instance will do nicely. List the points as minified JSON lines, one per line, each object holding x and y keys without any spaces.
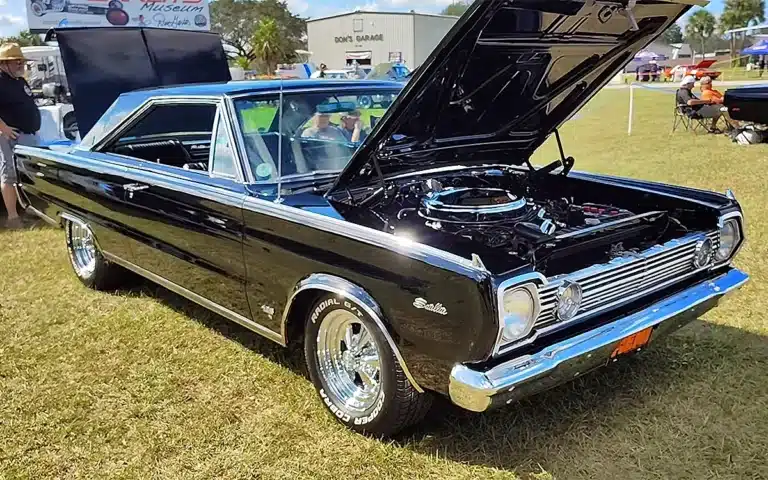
{"x":457,"y":8}
{"x":266,"y":43}
{"x":25,"y":39}
{"x":701,"y":25}
{"x":234,"y":20}
{"x":738,"y":14}
{"x":673,"y":34}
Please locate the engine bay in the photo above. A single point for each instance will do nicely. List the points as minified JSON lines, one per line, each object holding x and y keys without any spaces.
{"x":502,"y":216}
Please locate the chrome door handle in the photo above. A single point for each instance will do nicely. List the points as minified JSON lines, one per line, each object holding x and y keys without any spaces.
{"x":134,"y":187}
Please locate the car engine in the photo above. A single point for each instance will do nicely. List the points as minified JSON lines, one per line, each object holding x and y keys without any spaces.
{"x":495,"y":213}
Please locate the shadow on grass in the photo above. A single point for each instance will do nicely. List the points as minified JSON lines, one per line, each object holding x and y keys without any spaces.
{"x":558,"y":420}
{"x":290,"y":358}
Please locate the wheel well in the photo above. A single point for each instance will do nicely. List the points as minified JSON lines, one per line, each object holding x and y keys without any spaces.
{"x":297,"y":315}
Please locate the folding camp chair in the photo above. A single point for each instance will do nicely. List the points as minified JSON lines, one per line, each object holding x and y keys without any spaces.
{"x":689,"y":122}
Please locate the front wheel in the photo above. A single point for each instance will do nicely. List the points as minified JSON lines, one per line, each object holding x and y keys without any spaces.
{"x":90,"y":266}
{"x":356,"y":372}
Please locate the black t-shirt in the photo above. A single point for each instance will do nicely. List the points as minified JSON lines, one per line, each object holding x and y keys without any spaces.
{"x":17,"y":106}
{"x":683,"y":95}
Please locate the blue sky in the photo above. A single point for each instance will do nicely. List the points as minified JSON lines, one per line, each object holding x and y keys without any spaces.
{"x":13,"y":16}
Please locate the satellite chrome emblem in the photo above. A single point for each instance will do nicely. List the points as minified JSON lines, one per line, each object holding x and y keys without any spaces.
{"x":430,"y":307}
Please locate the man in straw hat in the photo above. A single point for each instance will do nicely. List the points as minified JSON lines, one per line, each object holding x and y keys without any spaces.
{"x":19,"y":121}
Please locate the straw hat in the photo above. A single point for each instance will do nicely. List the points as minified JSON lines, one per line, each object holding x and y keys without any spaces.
{"x":11,"y":51}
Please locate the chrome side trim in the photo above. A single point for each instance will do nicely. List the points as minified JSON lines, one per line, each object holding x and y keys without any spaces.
{"x":478,"y":390}
{"x":43,"y":216}
{"x":200,"y":300}
{"x":75,"y":219}
{"x":388,"y":241}
{"x":347,"y":289}
{"x":21,"y":195}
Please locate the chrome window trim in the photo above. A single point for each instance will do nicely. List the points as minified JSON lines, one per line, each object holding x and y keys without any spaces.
{"x":139,"y":111}
{"x":347,"y":289}
{"x":218,"y":121}
{"x":248,"y":176}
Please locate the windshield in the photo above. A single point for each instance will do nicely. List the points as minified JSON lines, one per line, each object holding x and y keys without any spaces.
{"x":318,"y":133}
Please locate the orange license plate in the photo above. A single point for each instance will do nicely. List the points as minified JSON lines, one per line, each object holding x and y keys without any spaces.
{"x":633,"y":342}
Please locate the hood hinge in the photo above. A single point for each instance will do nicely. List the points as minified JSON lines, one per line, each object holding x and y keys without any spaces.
{"x":627,"y":12}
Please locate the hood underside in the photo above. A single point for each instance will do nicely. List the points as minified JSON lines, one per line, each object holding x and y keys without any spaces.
{"x":505,"y":77}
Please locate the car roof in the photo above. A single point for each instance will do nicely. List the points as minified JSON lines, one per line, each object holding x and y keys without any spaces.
{"x":255,"y":86}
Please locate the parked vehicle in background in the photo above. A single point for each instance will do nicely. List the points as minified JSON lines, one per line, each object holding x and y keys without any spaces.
{"x":390,"y":71}
{"x":698,"y":70}
{"x":333,"y":74}
{"x":431,"y":257}
{"x":47,"y":78}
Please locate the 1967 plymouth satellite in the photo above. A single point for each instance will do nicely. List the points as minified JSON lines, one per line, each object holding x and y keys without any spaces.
{"x":423,"y":256}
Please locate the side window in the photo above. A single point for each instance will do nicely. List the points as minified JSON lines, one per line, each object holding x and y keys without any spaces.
{"x":178,"y":135}
{"x":222,"y":154}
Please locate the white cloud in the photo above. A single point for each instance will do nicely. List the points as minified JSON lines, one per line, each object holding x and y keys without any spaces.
{"x":368,"y":7}
{"x":298,"y":7}
{"x":12,"y":21}
{"x":3,"y":3}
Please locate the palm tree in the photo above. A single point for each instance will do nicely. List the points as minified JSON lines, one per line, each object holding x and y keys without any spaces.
{"x":266,"y":43}
{"x":738,"y":14}
{"x":701,"y":26}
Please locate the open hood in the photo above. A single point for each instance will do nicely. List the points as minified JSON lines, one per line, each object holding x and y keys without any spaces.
{"x":704,"y":64}
{"x":506,"y":76}
{"x":102,"y":63}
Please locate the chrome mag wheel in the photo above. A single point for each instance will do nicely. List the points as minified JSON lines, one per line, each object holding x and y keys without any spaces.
{"x":348,"y":361}
{"x":82,"y":249}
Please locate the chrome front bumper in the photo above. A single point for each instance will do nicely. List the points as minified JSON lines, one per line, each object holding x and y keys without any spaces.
{"x":479,"y":390}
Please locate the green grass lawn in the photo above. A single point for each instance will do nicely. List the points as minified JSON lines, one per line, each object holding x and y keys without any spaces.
{"x":143,"y":384}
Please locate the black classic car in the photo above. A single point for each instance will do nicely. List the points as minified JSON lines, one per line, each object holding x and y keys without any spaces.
{"x":430,"y":257}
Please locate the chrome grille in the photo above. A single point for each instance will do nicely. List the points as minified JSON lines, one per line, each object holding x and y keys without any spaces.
{"x":624,"y":278}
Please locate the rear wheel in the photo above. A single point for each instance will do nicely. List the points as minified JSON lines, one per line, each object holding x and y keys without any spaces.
{"x":356,"y":372}
{"x":87,"y":261}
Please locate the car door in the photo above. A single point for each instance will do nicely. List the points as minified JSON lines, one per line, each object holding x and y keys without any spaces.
{"x":186,"y":221}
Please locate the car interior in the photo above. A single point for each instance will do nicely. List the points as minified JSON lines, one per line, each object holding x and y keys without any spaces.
{"x":174,"y":135}
{"x":179,"y":135}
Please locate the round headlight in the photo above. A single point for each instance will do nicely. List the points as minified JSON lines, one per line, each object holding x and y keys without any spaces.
{"x":703,"y":253}
{"x":518,"y":313}
{"x":729,"y":239}
{"x":568,"y":300}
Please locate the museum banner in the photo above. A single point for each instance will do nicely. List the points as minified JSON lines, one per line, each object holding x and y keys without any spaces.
{"x":180,"y":14}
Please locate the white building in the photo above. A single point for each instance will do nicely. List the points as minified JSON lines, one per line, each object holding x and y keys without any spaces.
{"x":371,"y":38}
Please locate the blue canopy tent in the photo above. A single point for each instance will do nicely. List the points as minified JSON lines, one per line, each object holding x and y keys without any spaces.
{"x":760,"y":48}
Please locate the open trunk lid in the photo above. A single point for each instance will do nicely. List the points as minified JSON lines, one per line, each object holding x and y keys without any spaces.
{"x":102,"y":63}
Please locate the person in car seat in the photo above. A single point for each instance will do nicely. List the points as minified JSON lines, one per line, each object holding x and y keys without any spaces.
{"x":19,"y":123}
{"x":322,"y":129}
{"x":352,"y":127}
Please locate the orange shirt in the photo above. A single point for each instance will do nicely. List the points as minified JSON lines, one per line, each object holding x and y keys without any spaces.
{"x":712,"y":96}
